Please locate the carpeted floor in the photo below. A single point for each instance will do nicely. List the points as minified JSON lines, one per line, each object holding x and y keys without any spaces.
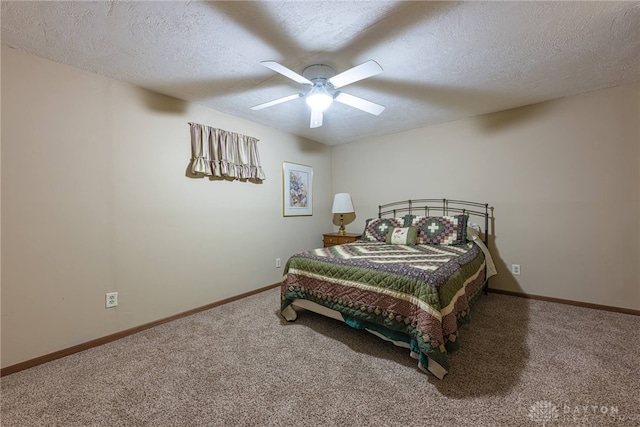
{"x":522,"y":363}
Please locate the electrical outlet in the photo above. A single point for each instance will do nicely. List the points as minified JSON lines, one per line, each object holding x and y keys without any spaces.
{"x":515,"y":269}
{"x":278,"y":263}
{"x":111,"y":299}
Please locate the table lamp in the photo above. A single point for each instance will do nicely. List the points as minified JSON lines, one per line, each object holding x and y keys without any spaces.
{"x":342,"y":204}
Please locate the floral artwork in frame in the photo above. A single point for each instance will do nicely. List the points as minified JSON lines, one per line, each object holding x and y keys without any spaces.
{"x":297,"y":189}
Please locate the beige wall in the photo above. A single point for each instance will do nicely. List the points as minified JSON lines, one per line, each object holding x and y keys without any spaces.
{"x":563,"y":177}
{"x":95,"y":199}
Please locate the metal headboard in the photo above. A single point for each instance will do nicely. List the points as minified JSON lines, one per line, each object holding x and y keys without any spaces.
{"x":435,"y":207}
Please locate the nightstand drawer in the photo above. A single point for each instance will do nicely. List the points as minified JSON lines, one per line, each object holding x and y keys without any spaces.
{"x":332,"y":239}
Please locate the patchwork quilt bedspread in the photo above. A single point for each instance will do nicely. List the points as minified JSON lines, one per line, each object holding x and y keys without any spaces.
{"x":418,"y":295}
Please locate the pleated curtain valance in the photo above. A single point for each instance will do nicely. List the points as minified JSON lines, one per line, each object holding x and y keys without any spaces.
{"x":224,"y":154}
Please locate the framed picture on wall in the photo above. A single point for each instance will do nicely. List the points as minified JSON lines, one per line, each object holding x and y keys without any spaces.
{"x":297,"y":189}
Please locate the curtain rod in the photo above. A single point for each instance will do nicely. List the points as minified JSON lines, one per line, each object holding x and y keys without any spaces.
{"x":223,"y":130}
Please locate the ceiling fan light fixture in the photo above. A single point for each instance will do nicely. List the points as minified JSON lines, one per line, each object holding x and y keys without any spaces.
{"x":319,"y":98}
{"x":324,"y":82}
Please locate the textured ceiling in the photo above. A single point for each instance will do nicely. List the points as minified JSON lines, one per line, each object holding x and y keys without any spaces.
{"x":442,"y":60}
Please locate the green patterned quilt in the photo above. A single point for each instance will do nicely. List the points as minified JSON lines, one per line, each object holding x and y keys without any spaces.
{"x":418,"y":295}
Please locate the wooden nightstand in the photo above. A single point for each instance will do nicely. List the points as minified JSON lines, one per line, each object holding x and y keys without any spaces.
{"x":332,"y":239}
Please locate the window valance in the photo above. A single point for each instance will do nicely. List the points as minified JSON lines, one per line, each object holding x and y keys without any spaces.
{"x":219,"y":153}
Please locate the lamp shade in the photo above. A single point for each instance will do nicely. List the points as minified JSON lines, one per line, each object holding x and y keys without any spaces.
{"x":342,"y":203}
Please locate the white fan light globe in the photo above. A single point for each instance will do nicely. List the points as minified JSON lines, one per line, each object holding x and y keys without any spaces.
{"x":319,"y":99}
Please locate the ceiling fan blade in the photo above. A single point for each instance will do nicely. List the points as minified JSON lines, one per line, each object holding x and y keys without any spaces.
{"x":359,"y":103}
{"x":278,"y":68}
{"x":359,"y":72}
{"x":316,"y":119}
{"x":277,"y":101}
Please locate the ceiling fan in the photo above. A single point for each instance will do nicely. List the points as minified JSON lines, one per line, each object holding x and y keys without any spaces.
{"x":323,"y":82}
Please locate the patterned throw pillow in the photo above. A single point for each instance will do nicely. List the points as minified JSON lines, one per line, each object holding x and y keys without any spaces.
{"x":376,"y":229}
{"x":440,"y":230}
{"x":402,"y":236}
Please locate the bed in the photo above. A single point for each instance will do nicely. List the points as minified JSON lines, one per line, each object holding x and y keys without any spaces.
{"x":412,"y":278}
